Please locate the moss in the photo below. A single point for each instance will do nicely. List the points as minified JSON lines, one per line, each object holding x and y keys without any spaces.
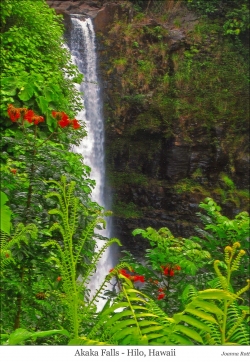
{"x":224,"y":193}
{"x":126,"y":210}
{"x":190,"y":186}
{"x":120,"y":179}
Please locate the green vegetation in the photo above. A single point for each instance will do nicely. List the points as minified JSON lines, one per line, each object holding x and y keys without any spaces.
{"x":234,"y":14}
{"x":194,"y":89}
{"x":33,"y":58}
{"x":121,"y":209}
{"x":224,"y":190}
{"x":185,"y":293}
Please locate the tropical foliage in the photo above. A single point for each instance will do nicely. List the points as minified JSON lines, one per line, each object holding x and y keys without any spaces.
{"x":33,"y":58}
{"x":182,"y":293}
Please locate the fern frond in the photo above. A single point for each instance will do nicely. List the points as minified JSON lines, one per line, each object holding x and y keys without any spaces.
{"x":188,"y":294}
{"x":96,"y":258}
{"x":237,"y":329}
{"x":83,"y":341}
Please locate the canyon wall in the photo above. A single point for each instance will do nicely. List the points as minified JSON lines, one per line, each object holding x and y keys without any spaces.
{"x":176,"y":115}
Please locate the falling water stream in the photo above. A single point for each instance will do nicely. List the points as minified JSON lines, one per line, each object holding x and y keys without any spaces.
{"x":83,"y":50}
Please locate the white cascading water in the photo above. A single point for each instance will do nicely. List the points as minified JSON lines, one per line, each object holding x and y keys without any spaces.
{"x":83,"y":50}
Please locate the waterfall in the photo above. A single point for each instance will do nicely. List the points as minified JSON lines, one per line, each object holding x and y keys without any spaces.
{"x":83,"y":50}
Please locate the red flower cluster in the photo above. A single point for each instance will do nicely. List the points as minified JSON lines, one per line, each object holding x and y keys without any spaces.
{"x":14,"y":113}
{"x":170,"y":271}
{"x":31,"y":117}
{"x":13,"y":170}
{"x":64,"y":121}
{"x":134,"y":278}
{"x":161,"y":293}
{"x":137,"y":278}
{"x":59,"y":279}
{"x":161,"y":296}
{"x":27,"y":115}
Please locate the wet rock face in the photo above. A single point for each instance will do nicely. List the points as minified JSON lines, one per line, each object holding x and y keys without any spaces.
{"x":165,"y":161}
{"x":89,"y":8}
{"x":103,"y":13}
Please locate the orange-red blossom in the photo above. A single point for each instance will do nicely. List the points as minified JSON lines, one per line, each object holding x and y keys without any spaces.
{"x":30,"y":116}
{"x":134,"y":278}
{"x":64,"y":121}
{"x":167,"y":270}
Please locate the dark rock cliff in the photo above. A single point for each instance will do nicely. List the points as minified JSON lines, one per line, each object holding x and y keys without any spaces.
{"x":176,"y":115}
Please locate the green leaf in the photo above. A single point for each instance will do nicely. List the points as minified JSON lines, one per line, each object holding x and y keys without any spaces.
{"x":5,"y":214}
{"x":3,"y":199}
{"x":177,"y":338}
{"x":151,"y":329}
{"x":8,"y":82}
{"x":9,"y":90}
{"x":215,"y":294}
{"x":82,"y":341}
{"x":210,"y":307}
{"x":20,"y":335}
{"x":125,"y":323}
{"x":189,"y":332}
{"x":124,"y":332}
{"x":42,"y":104}
{"x":114,"y":307}
{"x":145,"y":322}
{"x":138,"y":231}
{"x":51,"y":122}
{"x":26,"y":92}
{"x":201,"y":314}
{"x":195,"y":322}
{"x":154,"y":336}
{"x":117,"y":316}
{"x":50,"y":333}
{"x":50,"y":95}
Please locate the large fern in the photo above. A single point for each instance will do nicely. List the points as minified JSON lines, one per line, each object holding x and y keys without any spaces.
{"x":231,"y":327}
{"x":69,"y":251}
{"x":210,"y":317}
{"x":134,"y":319}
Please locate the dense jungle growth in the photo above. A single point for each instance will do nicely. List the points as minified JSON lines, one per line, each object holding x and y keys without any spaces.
{"x":185,"y":290}
{"x":177,"y":111}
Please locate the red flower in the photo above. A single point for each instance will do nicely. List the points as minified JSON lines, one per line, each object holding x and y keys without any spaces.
{"x":13,"y":170}
{"x":171,"y":273}
{"x":64,"y":122}
{"x":177,"y":267}
{"x":139,"y":278}
{"x":37,"y":119}
{"x":160,"y":290}
{"x":166,"y":270}
{"x":161,"y":296}
{"x":13,"y":112}
{"x":124,"y":273}
{"x":59,"y":279}
{"x":75,"y":124}
{"x":7,"y":255}
{"x":29,"y":116}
